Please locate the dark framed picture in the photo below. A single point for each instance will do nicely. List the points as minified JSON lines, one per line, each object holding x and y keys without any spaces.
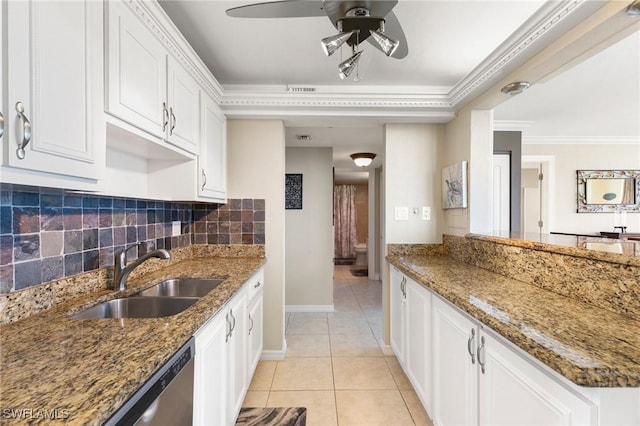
{"x":293,"y":191}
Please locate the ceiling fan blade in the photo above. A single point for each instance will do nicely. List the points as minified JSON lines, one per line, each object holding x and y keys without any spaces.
{"x":392,"y":28}
{"x":279,"y":9}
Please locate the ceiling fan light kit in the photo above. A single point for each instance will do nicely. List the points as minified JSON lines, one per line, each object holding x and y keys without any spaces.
{"x":355,"y":20}
{"x":363,"y":159}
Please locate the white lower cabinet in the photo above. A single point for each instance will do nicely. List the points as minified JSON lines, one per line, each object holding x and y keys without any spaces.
{"x":397,"y":313}
{"x":226,"y":346}
{"x":411,"y":332}
{"x":210,"y":378}
{"x":418,"y":340}
{"x":255,"y":323}
{"x":477,"y":379}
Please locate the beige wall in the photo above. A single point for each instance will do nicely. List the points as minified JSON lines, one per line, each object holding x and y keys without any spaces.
{"x":309,"y":232}
{"x":572,"y":157}
{"x":362,"y":213}
{"x":412,"y":179}
{"x":256,"y":169}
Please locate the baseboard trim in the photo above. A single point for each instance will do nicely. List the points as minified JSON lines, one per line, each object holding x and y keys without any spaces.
{"x":387,"y":350}
{"x":309,"y":308}
{"x":275,"y":355}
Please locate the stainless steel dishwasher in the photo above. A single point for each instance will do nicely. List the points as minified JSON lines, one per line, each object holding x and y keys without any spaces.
{"x":166,"y":398}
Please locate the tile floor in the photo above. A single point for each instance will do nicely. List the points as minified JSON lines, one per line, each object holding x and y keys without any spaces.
{"x":335,"y":366}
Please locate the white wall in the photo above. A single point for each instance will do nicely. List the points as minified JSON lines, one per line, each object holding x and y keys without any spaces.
{"x":309,"y":232}
{"x":412,"y":179}
{"x":572,"y":157}
{"x":256,"y":169}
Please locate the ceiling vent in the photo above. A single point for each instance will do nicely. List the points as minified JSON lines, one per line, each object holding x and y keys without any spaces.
{"x":303,"y":138}
{"x":301,"y":89}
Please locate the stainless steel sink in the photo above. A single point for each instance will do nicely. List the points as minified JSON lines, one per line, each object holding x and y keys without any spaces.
{"x":138,"y":307}
{"x":182,"y":287}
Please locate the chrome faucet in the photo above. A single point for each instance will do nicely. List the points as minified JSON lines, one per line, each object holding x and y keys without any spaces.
{"x":121,"y":270}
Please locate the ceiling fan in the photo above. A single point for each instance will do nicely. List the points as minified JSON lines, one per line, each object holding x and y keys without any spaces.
{"x":355,"y":20}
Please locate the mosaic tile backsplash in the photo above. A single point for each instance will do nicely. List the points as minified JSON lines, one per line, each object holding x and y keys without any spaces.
{"x":49,"y":234}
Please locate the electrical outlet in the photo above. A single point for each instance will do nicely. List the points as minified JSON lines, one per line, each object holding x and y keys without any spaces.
{"x":176,"y":228}
{"x":426,"y":213}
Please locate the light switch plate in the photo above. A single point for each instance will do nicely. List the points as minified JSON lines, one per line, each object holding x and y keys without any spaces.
{"x":426,"y":213}
{"x":401,"y":213}
{"x":176,"y":228}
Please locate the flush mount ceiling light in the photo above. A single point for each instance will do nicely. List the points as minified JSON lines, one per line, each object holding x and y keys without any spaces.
{"x":515,"y":88}
{"x":363,"y":159}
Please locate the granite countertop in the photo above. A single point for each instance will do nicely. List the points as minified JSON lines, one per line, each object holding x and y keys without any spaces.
{"x":86,"y":369}
{"x":590,"y":346}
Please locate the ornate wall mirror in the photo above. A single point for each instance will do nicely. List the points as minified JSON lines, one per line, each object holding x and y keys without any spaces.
{"x":602,"y":191}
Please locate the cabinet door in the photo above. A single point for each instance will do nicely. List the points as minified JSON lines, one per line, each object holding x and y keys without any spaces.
{"x":254,"y":334}
{"x":236,"y":356}
{"x":210,"y":378}
{"x":213,"y":150}
{"x":418,"y":343}
{"x":397,"y":312}
{"x":54,"y":75}
{"x":515,"y":392}
{"x":183,"y":99}
{"x":455,"y":378}
{"x":137,"y":72}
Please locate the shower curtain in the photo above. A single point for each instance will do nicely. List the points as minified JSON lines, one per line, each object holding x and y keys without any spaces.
{"x":344,"y":217}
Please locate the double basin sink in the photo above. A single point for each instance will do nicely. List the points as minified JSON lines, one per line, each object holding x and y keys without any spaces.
{"x":164,"y":299}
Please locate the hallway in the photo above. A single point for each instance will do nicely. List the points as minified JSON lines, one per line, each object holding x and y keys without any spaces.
{"x":335,"y":366}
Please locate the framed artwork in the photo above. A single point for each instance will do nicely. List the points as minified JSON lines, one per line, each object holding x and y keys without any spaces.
{"x":293,"y":192}
{"x":454,"y":186}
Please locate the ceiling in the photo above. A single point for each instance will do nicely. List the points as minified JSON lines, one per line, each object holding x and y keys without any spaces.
{"x":597,"y":100}
{"x":448,"y":42}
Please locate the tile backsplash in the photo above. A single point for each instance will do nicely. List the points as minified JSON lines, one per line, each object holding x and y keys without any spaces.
{"x":49,"y":234}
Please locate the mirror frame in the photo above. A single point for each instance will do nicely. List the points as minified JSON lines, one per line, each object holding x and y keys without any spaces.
{"x":583,"y":175}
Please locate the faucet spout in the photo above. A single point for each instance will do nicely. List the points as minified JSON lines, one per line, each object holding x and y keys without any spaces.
{"x":122,"y":270}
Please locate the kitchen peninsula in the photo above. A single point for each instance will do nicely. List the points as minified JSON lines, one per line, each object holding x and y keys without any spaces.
{"x":553,"y":326}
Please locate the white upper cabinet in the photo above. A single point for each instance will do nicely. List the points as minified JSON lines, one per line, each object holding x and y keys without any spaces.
{"x":213,"y":151}
{"x":146,"y":87}
{"x":137,"y":72}
{"x":52,"y":107}
{"x":183,"y":99}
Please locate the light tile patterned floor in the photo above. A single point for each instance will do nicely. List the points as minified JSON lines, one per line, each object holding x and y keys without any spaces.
{"x":335,"y":366}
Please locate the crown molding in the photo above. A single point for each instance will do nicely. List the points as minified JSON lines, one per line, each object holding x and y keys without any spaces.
{"x":550,"y":16}
{"x":580,"y":140}
{"x":437,"y":104}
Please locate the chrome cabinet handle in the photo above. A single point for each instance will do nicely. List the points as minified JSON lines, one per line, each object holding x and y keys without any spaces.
{"x":250,"y":328}
{"x":204,"y":179}
{"x":470,"y":343}
{"x":480,"y":350}
{"x":173,"y":121}
{"x":26,"y":131}
{"x":228,"y":333}
{"x":258,"y":284}
{"x":233,"y":325}
{"x":1,"y":124}
{"x":165,"y":117}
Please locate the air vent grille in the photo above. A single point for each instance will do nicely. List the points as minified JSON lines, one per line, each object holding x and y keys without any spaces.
{"x":302,"y":89}
{"x":303,"y":138}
